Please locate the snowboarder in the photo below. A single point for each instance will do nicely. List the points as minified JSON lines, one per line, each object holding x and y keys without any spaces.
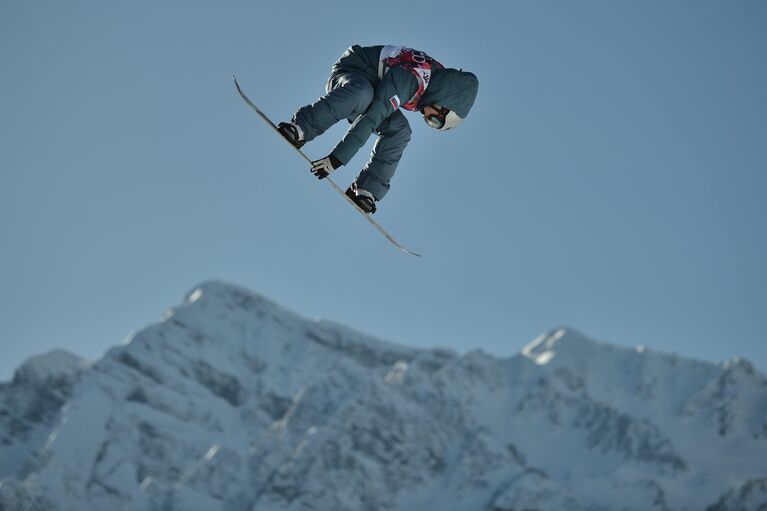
{"x":368,"y":86}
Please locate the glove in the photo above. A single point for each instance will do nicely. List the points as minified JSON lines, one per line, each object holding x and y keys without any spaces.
{"x":321,"y":168}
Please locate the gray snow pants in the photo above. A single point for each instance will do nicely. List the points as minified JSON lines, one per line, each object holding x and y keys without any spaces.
{"x":348,"y":96}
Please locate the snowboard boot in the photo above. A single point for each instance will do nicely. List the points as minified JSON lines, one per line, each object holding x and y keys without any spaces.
{"x":292,"y":133}
{"x":362,"y":198}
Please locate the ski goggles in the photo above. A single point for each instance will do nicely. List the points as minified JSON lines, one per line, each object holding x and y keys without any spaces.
{"x":437,"y":121}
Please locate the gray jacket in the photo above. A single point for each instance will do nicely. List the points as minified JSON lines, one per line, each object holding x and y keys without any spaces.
{"x":396,"y":81}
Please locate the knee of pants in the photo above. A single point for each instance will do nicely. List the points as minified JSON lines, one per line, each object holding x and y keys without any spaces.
{"x":358,"y":92}
{"x":364,"y":98}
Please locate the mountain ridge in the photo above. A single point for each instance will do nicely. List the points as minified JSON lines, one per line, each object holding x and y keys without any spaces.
{"x":234,"y":402}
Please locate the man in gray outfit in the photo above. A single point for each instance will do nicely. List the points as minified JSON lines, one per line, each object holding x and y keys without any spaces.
{"x":368,"y":86}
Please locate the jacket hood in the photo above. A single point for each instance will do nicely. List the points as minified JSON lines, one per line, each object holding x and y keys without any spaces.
{"x":453,"y":89}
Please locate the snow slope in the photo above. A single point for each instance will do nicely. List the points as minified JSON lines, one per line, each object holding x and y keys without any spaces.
{"x":29,"y":405}
{"x":234,"y":403}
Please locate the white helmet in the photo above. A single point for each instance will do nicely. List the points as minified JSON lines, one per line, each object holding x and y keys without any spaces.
{"x":452,"y":120}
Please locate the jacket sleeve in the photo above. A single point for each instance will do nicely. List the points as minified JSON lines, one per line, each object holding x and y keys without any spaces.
{"x":398,"y":82}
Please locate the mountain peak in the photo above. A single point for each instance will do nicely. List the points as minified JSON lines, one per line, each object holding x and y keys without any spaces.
{"x":560,"y":341}
{"x":54,"y":365}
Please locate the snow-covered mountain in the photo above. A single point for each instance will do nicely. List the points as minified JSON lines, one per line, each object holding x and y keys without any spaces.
{"x":234,"y":403}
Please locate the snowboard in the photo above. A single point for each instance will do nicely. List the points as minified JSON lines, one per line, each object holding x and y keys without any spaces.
{"x":327,"y":179}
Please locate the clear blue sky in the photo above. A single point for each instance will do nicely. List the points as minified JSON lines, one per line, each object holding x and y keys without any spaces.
{"x":611,"y":176}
